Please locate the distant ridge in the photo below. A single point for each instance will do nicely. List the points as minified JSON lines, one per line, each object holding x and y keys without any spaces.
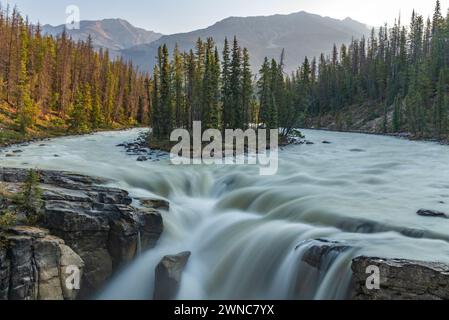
{"x":301,"y":34}
{"x":112,"y":34}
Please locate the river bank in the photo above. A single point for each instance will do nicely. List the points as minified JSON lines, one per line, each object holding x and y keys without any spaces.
{"x":402,"y":135}
{"x":81,"y":223}
{"x":11,"y":138}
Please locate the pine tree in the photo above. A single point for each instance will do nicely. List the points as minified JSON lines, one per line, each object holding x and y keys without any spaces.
{"x":156,"y":111}
{"x":267,"y":115}
{"x":441,"y":105}
{"x":78,"y":119}
{"x":211,"y":82}
{"x":96,"y":115}
{"x":237,"y":112}
{"x":178,"y":91}
{"x":397,"y":116}
{"x":247,"y":87}
{"x":165,"y":103}
{"x":226,"y":86}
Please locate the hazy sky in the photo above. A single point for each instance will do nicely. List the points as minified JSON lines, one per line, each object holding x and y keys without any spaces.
{"x":171,"y":16}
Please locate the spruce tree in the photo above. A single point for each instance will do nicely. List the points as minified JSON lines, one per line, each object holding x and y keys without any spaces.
{"x":237,"y":112}
{"x":247,"y":88}
{"x":226,"y":86}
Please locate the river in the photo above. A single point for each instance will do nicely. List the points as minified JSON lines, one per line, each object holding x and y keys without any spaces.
{"x":247,"y":232}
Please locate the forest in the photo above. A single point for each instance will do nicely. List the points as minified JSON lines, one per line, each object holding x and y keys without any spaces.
{"x":403,"y":71}
{"x":48,"y":82}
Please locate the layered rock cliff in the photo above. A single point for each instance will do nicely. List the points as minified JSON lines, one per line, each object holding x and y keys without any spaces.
{"x":98,"y":223}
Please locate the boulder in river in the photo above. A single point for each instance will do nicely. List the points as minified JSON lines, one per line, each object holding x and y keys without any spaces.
{"x":168,"y":276}
{"x":321,"y":251}
{"x":432,"y":213}
{"x":142,"y":159}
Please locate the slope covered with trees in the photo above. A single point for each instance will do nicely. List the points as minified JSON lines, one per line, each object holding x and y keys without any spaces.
{"x":399,"y":76}
{"x":55,"y":85}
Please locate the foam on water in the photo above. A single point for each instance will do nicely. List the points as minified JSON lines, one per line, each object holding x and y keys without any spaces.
{"x":247,"y":233}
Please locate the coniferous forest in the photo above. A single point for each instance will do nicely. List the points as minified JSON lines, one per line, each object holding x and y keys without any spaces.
{"x":54,"y":84}
{"x":401,"y":72}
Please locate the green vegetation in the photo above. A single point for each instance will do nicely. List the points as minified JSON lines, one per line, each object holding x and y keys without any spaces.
{"x":7,"y":219}
{"x":220,"y":91}
{"x":399,"y":75}
{"x":55,"y":86}
{"x":28,"y":202}
{"x":30,"y":198}
{"x":402,"y":71}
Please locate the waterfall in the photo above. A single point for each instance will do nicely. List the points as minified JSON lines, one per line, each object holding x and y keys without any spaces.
{"x":139,"y":244}
{"x":251,"y":237}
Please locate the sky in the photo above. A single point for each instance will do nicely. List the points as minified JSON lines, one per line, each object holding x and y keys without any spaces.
{"x":173,"y":16}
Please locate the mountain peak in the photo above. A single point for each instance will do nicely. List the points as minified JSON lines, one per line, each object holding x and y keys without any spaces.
{"x":300,"y":34}
{"x":112,"y":33}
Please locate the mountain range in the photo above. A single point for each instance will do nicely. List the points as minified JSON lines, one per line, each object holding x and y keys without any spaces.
{"x":301,"y":34}
{"x":112,"y":34}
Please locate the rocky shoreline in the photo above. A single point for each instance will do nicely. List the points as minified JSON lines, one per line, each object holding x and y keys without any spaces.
{"x":399,"y":279}
{"x":401,"y":135}
{"x":97,"y":223}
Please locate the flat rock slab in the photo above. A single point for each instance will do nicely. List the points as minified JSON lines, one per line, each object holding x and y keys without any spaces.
{"x":401,"y":279}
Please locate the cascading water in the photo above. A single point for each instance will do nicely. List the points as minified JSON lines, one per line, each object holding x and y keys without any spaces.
{"x":249,"y":235}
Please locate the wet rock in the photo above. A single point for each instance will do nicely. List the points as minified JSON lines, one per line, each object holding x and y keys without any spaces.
{"x":327,"y":142}
{"x":152,"y":226}
{"x":17,"y":151}
{"x":432,"y":213}
{"x":124,"y":236}
{"x":320,"y":253}
{"x":168,"y":276}
{"x":309,"y":143}
{"x":142,"y":159}
{"x":155,"y":204}
{"x":401,"y":279}
{"x":357,"y":150}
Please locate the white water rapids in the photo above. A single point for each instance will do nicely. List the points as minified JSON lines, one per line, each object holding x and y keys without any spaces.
{"x":247,"y":233}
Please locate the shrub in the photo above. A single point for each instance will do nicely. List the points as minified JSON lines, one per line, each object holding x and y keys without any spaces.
{"x":30,"y":198}
{"x":7,"y":219}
